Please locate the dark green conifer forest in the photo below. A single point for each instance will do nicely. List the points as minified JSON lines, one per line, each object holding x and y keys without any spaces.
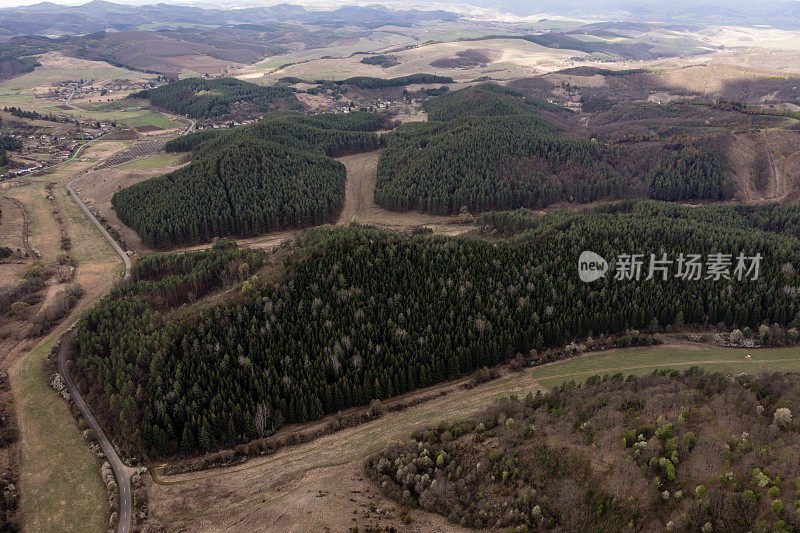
{"x":360,"y":314}
{"x":272,"y":175}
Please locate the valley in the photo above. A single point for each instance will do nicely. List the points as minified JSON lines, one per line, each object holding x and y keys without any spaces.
{"x":352,"y":231}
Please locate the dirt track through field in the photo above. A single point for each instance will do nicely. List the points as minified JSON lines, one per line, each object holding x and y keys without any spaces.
{"x":274,"y":493}
{"x":360,"y":206}
{"x":26,"y":223}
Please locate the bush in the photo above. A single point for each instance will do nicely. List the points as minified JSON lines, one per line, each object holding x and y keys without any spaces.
{"x":20,"y":310}
{"x":375,"y":408}
{"x":782,"y":417}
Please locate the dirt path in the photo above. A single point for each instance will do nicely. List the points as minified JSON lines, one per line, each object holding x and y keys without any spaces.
{"x":277,"y":493}
{"x":777,"y":189}
{"x":301,"y":488}
{"x":360,"y":206}
{"x":26,"y":224}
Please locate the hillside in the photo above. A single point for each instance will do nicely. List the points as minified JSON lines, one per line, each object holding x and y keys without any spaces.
{"x":275,"y":174}
{"x":670,"y":451}
{"x":488,"y":147}
{"x":359,"y":314}
{"x":205,"y":98}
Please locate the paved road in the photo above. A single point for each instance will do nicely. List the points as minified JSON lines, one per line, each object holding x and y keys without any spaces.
{"x":109,"y":238}
{"x":120,"y":470}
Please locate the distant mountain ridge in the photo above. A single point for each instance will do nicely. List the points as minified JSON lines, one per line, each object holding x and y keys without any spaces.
{"x":783,"y":14}
{"x":47,"y":18}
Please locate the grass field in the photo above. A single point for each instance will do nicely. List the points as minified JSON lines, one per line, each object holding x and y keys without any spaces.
{"x":60,"y":482}
{"x":61,"y":486}
{"x":56,"y":68}
{"x":138,"y":117}
{"x":156,"y":161}
{"x":645,"y":360}
{"x":275,"y":490}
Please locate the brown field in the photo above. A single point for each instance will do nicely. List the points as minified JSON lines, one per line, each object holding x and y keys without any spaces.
{"x":360,"y":205}
{"x":11,"y":225}
{"x":97,"y":187}
{"x":201,"y":64}
{"x":145,"y":129}
{"x":506,"y":59}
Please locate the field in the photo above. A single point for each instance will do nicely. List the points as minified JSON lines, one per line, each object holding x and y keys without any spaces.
{"x":132,"y":117}
{"x":56,"y":68}
{"x":97,"y":187}
{"x":513,"y":58}
{"x":62,"y":487}
{"x":63,"y":490}
{"x":360,"y":203}
{"x":11,"y":225}
{"x":156,"y":161}
{"x":300,"y":488}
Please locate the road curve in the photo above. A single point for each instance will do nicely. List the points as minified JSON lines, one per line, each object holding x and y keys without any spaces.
{"x":120,"y":470}
{"x":109,"y":238}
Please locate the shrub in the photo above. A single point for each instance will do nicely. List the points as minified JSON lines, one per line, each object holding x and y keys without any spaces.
{"x":375,"y":408}
{"x":665,"y":432}
{"x":782,"y":417}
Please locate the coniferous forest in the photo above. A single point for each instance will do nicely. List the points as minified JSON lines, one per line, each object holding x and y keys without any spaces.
{"x":205,"y":98}
{"x":360,"y":314}
{"x":487,"y":147}
{"x":272,"y":175}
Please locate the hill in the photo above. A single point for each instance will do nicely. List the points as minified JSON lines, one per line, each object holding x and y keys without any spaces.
{"x":488,"y":147}
{"x":359,"y":314}
{"x":204,"y":98}
{"x":670,"y":451}
{"x":275,"y":174}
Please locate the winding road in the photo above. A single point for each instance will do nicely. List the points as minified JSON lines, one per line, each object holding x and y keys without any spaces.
{"x":121,"y":471}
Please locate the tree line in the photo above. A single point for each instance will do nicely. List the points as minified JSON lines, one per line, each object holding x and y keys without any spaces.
{"x":362,"y":314}
{"x":369,"y":82}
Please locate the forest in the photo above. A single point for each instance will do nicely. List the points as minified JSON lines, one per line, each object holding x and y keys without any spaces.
{"x":368,"y":82}
{"x":669,"y":451}
{"x":360,"y":314}
{"x":488,"y":147}
{"x":205,"y":98}
{"x":272,"y":175}
{"x":382,"y":60}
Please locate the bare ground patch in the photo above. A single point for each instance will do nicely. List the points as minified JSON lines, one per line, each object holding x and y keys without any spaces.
{"x":97,"y":187}
{"x":360,"y":203}
{"x":766,"y":165}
